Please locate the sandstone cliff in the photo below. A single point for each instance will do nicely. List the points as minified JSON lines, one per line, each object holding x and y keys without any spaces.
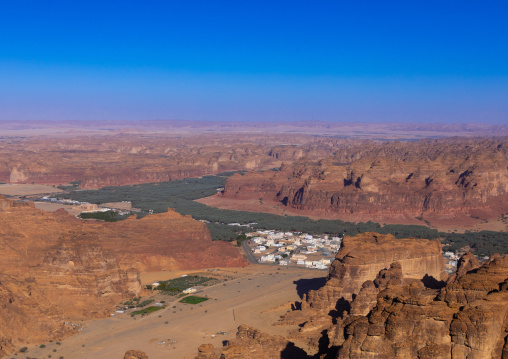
{"x":363,"y":256}
{"x":440,"y":180}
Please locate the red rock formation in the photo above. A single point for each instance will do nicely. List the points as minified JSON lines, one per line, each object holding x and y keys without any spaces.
{"x":366,"y":298}
{"x":360,"y":258}
{"x":466,"y":263}
{"x":27,"y":314}
{"x":206,"y":351}
{"x":251,"y":343}
{"x":100,"y":161}
{"x":433,"y":180}
{"x":410,"y":323}
{"x":398,"y":316}
{"x":135,"y":354}
{"x":56,"y":268}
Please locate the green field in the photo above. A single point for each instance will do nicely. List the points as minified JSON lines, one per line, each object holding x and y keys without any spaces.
{"x":178,"y":285}
{"x":193,"y":300}
{"x":147,"y":310}
{"x":107,"y":216}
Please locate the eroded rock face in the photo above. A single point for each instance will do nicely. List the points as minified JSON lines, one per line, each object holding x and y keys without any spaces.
{"x":360,"y":258}
{"x":135,"y":354}
{"x":27,"y":314}
{"x":448,"y":178}
{"x":98,"y":161}
{"x":251,"y":343}
{"x":394,"y":315}
{"x":414,"y":323}
{"x":206,"y":351}
{"x":55,"y":268}
{"x":366,"y":298}
{"x":476,"y":283}
{"x":467,"y":263}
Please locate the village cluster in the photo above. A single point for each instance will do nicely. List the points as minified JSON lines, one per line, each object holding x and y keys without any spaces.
{"x":294,"y":249}
{"x":305,"y":250}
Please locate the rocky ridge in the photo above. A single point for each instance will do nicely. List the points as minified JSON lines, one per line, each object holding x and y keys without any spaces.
{"x":99,"y":161}
{"x":432,"y":180}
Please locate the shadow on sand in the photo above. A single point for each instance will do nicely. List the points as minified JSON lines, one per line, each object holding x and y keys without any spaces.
{"x":303,"y":286}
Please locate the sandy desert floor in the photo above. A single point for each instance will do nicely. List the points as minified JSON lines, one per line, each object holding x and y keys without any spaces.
{"x":27,"y":189}
{"x":256,"y":295}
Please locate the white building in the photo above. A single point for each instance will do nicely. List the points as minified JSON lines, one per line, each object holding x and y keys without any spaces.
{"x":268,"y":258}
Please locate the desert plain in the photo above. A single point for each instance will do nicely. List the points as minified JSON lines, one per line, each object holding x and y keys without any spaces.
{"x":257,"y":294}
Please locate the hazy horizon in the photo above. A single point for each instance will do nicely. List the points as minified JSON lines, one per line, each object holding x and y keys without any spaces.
{"x":290,"y":61}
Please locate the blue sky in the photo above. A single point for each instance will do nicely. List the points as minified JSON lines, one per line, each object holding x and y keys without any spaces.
{"x":421,"y":61}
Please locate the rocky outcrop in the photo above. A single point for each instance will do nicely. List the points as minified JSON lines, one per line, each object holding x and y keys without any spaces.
{"x":251,"y":343}
{"x":56,"y":270}
{"x":411,"y":322}
{"x":477,"y":284}
{"x":402,"y":315}
{"x":135,"y":354}
{"x":166,"y":241}
{"x":466,"y":263}
{"x":362,"y":257}
{"x":366,"y":298}
{"x":27,"y":314}
{"x":431,"y":180}
{"x":206,"y":351}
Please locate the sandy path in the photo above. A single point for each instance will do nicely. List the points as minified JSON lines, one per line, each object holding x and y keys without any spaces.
{"x":237,"y":301}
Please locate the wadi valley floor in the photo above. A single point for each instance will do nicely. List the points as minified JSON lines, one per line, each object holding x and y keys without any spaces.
{"x":257,"y":295}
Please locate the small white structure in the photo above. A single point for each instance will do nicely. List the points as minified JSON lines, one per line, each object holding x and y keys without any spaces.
{"x":257,"y":240}
{"x":268,"y":258}
{"x":278,"y":235}
{"x":270,"y":242}
{"x":298,"y":257}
